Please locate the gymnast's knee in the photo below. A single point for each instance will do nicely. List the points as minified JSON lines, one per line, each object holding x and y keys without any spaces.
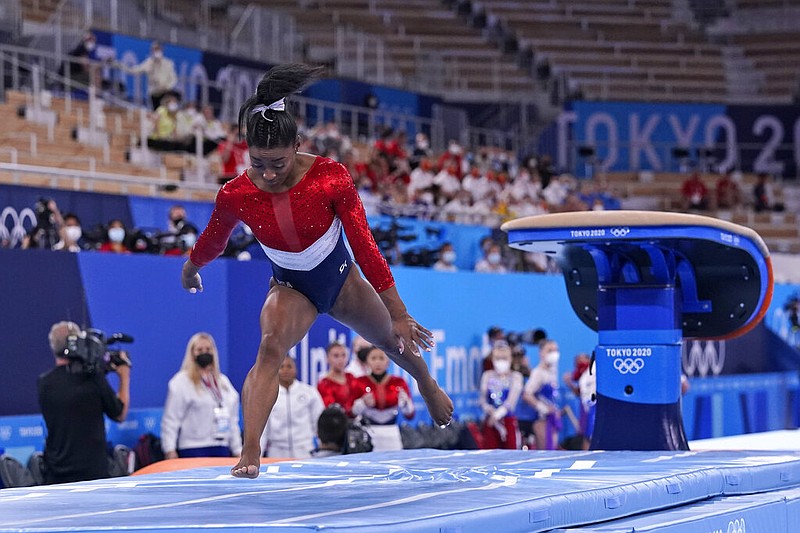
{"x":270,"y":354}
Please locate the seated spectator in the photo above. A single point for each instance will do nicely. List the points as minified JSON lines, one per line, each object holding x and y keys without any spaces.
{"x":187,"y":120}
{"x":764,"y":194}
{"x":605,"y":193}
{"x":555,"y":193}
{"x":233,"y":154}
{"x":213,"y":128}
{"x":422,"y":150}
{"x":201,"y":413}
{"x":694,"y":193}
{"x":461,"y":209}
{"x":452,"y":158}
{"x":449,"y":181}
{"x":500,"y":390}
{"x":292,"y":424}
{"x":331,"y":432}
{"x":419,"y":180}
{"x":337,"y":386}
{"x":545,"y":170}
{"x":115,"y":238}
{"x":164,"y":136}
{"x":447,"y":259}
{"x":190,"y":123}
{"x":477,"y":184}
{"x":524,"y":188}
{"x":728,"y":193}
{"x":492,"y":261}
{"x":72,"y":239}
{"x":379,"y":398}
{"x":327,"y":139}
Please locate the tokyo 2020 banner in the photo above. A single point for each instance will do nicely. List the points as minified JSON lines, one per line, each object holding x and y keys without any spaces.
{"x":630,"y":136}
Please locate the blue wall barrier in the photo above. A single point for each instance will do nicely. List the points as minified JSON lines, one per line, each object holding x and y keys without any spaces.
{"x":640,"y":136}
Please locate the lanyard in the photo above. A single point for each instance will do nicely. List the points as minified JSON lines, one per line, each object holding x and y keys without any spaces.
{"x":211,"y":384}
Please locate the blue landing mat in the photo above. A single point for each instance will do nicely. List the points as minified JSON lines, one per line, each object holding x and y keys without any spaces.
{"x":408,"y":491}
{"x":769,"y":512}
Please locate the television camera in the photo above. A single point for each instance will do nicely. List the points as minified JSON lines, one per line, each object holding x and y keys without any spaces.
{"x":88,"y":351}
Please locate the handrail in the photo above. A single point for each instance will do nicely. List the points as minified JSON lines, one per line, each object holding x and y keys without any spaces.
{"x":153,"y":182}
{"x":243,"y":19}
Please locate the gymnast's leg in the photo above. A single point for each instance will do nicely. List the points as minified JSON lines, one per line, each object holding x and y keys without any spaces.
{"x":359,"y":307}
{"x":286,"y":317}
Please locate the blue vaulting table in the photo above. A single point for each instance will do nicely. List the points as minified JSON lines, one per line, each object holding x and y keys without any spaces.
{"x":645,"y":281}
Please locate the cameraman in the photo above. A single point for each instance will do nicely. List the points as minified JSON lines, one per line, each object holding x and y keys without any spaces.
{"x":49,"y":226}
{"x":73,"y":401}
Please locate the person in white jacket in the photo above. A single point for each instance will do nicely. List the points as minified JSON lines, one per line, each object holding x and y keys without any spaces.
{"x":201,"y":414}
{"x":292,"y":425}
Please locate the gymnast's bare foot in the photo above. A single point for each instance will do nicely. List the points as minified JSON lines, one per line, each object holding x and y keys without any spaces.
{"x":439,"y":404}
{"x":247,"y":466}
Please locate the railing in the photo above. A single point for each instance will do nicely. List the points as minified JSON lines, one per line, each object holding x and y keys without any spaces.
{"x":265,"y":35}
{"x":11,"y":18}
{"x":153,"y":184}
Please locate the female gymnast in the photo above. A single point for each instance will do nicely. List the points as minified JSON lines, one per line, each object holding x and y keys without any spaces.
{"x":297,"y":205}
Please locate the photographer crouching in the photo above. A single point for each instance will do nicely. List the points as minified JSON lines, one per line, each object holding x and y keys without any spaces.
{"x":73,"y":398}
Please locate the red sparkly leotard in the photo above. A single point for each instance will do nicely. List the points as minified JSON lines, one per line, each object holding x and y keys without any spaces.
{"x":298,"y":228}
{"x":387,"y":398}
{"x":334,"y":392}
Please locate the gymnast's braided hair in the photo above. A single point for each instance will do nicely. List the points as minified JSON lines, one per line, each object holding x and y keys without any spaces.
{"x":265,"y":116}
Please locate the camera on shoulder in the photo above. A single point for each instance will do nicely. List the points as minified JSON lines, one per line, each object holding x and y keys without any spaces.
{"x":88,"y":351}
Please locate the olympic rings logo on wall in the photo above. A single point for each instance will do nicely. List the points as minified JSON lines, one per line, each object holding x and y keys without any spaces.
{"x":620,"y":232}
{"x":629,"y":365}
{"x":13,"y":233}
{"x":703,"y":358}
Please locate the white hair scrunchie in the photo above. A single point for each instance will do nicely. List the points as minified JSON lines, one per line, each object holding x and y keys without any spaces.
{"x":279,"y":105}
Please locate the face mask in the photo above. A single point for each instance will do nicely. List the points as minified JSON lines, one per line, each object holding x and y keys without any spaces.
{"x":449,"y":256}
{"x":454,"y":149}
{"x":89,"y":45}
{"x":204,"y":359}
{"x":116,"y":234}
{"x":189,"y":239}
{"x":502,"y":366}
{"x":172,"y":107}
{"x":552,"y":358}
{"x":73,"y":233}
{"x":158,"y":54}
{"x":493,"y":258}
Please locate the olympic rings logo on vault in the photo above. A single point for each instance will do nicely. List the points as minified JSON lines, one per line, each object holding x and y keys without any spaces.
{"x":628,"y":365}
{"x":620,"y":232}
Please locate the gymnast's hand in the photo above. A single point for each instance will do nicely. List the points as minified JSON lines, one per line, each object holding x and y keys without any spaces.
{"x":412,"y":334}
{"x":190,"y":278}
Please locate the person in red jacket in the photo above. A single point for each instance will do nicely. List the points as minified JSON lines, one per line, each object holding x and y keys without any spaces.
{"x":337,"y":386}
{"x":297,"y":205}
{"x":380,"y":398}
